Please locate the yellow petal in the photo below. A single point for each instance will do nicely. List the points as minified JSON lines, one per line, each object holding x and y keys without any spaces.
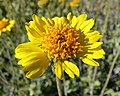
{"x":94,"y":45}
{"x":38,"y":20}
{"x":29,"y":59}
{"x":37,"y":24}
{"x":26,"y":48}
{"x":32,"y":31}
{"x":87,"y":25}
{"x":60,"y":21}
{"x":36,"y":28}
{"x":90,"y":61}
{"x":95,"y":56}
{"x":92,"y":33}
{"x":48,"y":21}
{"x":59,"y":70}
{"x":74,"y":21}
{"x":69,"y":16}
{"x":94,"y":39}
{"x":93,"y":36}
{"x":33,"y":35}
{"x":4,"y":19}
{"x":34,"y":39}
{"x":72,"y":67}
{"x":78,"y":21}
{"x":68,"y":71}
{"x":12,"y":22}
{"x":34,"y":64}
{"x":38,"y":60}
{"x":33,"y":57}
{"x":35,"y":73}
{"x":96,"y":53}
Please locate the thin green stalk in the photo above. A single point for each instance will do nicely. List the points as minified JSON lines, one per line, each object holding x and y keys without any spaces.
{"x":65,"y":90}
{"x":59,"y":86}
{"x":109,"y":74}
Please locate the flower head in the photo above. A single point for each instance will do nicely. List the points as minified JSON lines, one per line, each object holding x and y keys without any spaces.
{"x":58,"y":40}
{"x":6,"y":25}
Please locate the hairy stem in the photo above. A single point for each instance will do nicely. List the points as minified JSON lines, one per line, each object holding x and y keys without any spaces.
{"x":65,"y":90}
{"x":59,"y":86}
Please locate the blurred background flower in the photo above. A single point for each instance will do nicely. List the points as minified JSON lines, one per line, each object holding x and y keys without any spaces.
{"x":6,"y":25}
{"x":74,"y":3}
{"x":41,"y":2}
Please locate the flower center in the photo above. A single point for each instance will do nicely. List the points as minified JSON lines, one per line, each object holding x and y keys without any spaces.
{"x":61,"y":42}
{"x":3,"y":24}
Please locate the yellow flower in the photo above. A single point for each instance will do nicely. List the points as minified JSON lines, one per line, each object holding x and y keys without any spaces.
{"x":42,"y":2}
{"x":74,"y":3}
{"x":57,"y":40}
{"x":6,"y":25}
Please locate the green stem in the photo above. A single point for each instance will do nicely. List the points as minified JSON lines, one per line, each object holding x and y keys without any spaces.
{"x":59,"y":86}
{"x":65,"y":90}
{"x":109,"y":74}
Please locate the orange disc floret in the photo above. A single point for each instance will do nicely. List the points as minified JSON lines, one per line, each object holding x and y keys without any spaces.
{"x":61,"y":42}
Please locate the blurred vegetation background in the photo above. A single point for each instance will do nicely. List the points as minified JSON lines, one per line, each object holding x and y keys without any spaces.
{"x":94,"y":81}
